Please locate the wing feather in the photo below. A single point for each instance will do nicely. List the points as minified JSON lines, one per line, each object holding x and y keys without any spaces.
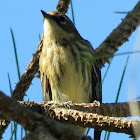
{"x":97,"y":92}
{"x":96,"y":83}
{"x":46,"y":88}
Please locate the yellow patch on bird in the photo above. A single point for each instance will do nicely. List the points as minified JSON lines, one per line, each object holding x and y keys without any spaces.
{"x":89,"y":67}
{"x":71,"y":85}
{"x":43,"y":63}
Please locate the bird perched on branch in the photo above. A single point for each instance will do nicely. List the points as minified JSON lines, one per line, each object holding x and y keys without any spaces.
{"x":68,"y":67}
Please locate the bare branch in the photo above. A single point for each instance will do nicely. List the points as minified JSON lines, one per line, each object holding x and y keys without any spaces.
{"x":98,"y":122}
{"x":105,"y":109}
{"x":118,"y":36}
{"x":24,"y":83}
{"x":84,"y":119}
{"x":33,"y":121}
{"x":26,"y":79}
{"x":62,"y":7}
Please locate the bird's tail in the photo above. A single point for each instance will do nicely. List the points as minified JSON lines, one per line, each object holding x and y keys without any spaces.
{"x":97,"y":134}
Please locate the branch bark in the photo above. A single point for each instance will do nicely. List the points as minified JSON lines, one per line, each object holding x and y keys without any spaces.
{"x":118,"y":36}
{"x":28,"y":75}
{"x":62,"y":7}
{"x":31,"y":120}
{"x":105,"y":109}
{"x":24,"y":83}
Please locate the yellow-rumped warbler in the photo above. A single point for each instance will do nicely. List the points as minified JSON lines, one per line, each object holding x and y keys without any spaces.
{"x":67,"y":69}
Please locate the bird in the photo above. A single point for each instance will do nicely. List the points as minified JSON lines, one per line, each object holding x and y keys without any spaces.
{"x":68,"y":67}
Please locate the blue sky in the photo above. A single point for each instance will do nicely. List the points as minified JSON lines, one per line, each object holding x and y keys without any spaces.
{"x":94,"y":21}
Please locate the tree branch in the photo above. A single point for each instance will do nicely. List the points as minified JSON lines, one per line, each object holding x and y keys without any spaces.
{"x":105,"y":109}
{"x":33,"y":121}
{"x":28,"y":75}
{"x":82,"y":114}
{"x":62,"y":7}
{"x":13,"y":111}
{"x":118,"y":36}
{"x":24,"y":83}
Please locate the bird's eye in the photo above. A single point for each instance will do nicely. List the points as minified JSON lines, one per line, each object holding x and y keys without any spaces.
{"x":63,"y":20}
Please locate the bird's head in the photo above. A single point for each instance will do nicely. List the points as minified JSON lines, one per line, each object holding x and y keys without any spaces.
{"x":57,"y":26}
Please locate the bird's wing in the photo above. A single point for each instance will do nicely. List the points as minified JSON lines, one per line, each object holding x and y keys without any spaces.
{"x":47,"y":93}
{"x":96,"y":83}
{"x":96,"y":77}
{"x":96,"y":87}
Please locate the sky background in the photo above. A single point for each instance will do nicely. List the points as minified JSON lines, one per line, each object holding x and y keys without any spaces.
{"x":94,"y":20}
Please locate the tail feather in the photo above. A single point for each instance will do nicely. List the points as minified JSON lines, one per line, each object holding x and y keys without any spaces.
{"x":97,"y":134}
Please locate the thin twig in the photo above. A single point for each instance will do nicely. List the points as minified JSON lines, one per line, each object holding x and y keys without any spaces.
{"x":33,"y":121}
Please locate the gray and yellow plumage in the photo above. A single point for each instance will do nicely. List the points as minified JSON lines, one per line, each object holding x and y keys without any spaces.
{"x":68,"y":71}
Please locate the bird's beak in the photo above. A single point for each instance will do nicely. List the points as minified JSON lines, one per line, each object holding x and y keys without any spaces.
{"x":45,"y":14}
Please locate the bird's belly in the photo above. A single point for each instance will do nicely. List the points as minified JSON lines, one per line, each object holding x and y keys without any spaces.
{"x":66,"y":77}
{"x":70,"y":85}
